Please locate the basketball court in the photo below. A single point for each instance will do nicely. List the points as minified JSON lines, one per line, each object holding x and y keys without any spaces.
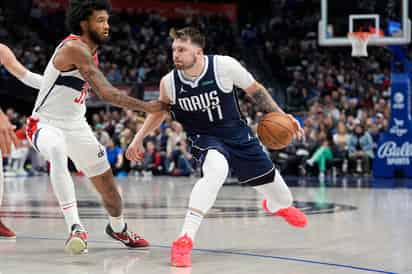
{"x":351,"y":230}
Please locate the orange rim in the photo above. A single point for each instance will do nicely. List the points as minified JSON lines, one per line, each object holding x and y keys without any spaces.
{"x":360,"y":35}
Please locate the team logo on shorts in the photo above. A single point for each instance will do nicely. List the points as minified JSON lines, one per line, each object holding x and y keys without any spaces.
{"x":100,"y":154}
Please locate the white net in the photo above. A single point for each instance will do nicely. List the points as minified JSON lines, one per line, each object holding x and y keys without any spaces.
{"x":359,"y":42}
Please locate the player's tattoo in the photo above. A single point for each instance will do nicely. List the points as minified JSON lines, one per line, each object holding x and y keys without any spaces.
{"x":264,"y":101}
{"x":97,"y":81}
{"x":107,"y":92}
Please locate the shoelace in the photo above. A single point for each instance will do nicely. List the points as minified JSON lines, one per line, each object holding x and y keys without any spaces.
{"x":80,"y":233}
{"x":184,"y":243}
{"x":132,"y":235}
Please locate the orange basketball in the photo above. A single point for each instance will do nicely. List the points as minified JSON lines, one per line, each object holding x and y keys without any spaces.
{"x":275,"y":130}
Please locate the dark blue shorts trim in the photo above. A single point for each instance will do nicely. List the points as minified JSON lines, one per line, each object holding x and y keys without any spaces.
{"x":36,"y":135}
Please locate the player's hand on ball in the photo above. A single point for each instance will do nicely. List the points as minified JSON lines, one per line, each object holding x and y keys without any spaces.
{"x":299,"y":132}
{"x":135,"y":151}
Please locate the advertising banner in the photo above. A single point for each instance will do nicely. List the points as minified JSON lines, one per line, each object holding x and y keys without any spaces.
{"x":394,"y":152}
{"x":167,"y":9}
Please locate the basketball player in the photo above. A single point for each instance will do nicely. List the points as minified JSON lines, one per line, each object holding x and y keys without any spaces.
{"x":7,"y":136}
{"x":200,"y":91}
{"x":58,"y":128}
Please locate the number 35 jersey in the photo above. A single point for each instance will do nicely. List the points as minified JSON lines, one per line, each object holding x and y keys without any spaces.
{"x":208,"y":104}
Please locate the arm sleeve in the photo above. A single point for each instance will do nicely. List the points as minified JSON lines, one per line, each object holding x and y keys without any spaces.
{"x":32,"y":79}
{"x":169,"y":87}
{"x":232,"y":73}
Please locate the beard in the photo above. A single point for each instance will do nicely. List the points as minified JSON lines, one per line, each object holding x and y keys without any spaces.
{"x":98,"y":40}
{"x":188,"y":65}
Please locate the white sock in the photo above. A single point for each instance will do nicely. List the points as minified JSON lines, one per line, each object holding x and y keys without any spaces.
{"x":192,"y":223}
{"x":71,"y":214}
{"x":215,"y":170}
{"x":277,"y":193}
{"x":63,"y":187}
{"x":117,"y":223}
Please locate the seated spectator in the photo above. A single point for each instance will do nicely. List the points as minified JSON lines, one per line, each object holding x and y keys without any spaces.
{"x":321,"y":155}
{"x":19,"y":155}
{"x":360,"y":147}
{"x":115,"y":156}
{"x":296,"y":101}
{"x":180,"y":161}
{"x":376,"y":135}
{"x":102,"y":135}
{"x":175,"y":135}
{"x":153,"y":162}
{"x":341,"y":137}
{"x":340,"y":145}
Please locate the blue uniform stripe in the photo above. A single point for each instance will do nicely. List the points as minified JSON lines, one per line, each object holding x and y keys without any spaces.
{"x":68,"y":81}
{"x":45,"y":97}
{"x":71,"y":82}
{"x":236,"y":98}
{"x":36,"y":135}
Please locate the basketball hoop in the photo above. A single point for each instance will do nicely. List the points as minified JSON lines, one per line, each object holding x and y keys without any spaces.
{"x":359,"y":42}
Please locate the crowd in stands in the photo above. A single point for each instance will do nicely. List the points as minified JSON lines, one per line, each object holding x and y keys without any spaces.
{"x":342,"y":102}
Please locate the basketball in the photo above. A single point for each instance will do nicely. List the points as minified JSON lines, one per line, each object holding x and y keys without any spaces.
{"x":275,"y":130}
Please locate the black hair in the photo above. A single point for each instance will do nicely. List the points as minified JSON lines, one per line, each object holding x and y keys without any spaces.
{"x":80,"y":10}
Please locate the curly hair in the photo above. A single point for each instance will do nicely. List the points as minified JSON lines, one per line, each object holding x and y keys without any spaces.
{"x":80,"y":10}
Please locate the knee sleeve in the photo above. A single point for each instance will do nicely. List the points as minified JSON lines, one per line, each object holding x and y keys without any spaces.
{"x":52,"y":145}
{"x":215,"y":171}
{"x":276,"y":193}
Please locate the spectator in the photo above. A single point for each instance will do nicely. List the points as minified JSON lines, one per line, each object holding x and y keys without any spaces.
{"x":19,"y":155}
{"x":360,"y":148}
{"x":115,"y":156}
{"x":175,"y":135}
{"x":153,"y":163}
{"x":321,"y":155}
{"x":181,"y":158}
{"x":341,"y":140}
{"x":102,"y":135}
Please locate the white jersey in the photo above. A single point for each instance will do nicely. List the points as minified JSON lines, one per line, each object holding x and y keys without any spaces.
{"x":62,"y":93}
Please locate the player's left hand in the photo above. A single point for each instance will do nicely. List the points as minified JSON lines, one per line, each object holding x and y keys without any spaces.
{"x":299,"y":132}
{"x":7,"y":135}
{"x":135,"y":151}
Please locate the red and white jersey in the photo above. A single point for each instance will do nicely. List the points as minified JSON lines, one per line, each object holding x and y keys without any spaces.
{"x":62,"y":93}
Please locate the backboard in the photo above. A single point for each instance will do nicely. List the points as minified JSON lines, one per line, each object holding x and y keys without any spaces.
{"x":388,"y":19}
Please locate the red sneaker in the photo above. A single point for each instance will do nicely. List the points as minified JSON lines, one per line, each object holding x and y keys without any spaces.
{"x":291,"y":214}
{"x":181,"y":249}
{"x":129,"y":239}
{"x":77,"y":241}
{"x":6,"y":233}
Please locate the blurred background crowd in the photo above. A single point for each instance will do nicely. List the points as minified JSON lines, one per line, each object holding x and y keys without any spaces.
{"x":342,"y":102}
